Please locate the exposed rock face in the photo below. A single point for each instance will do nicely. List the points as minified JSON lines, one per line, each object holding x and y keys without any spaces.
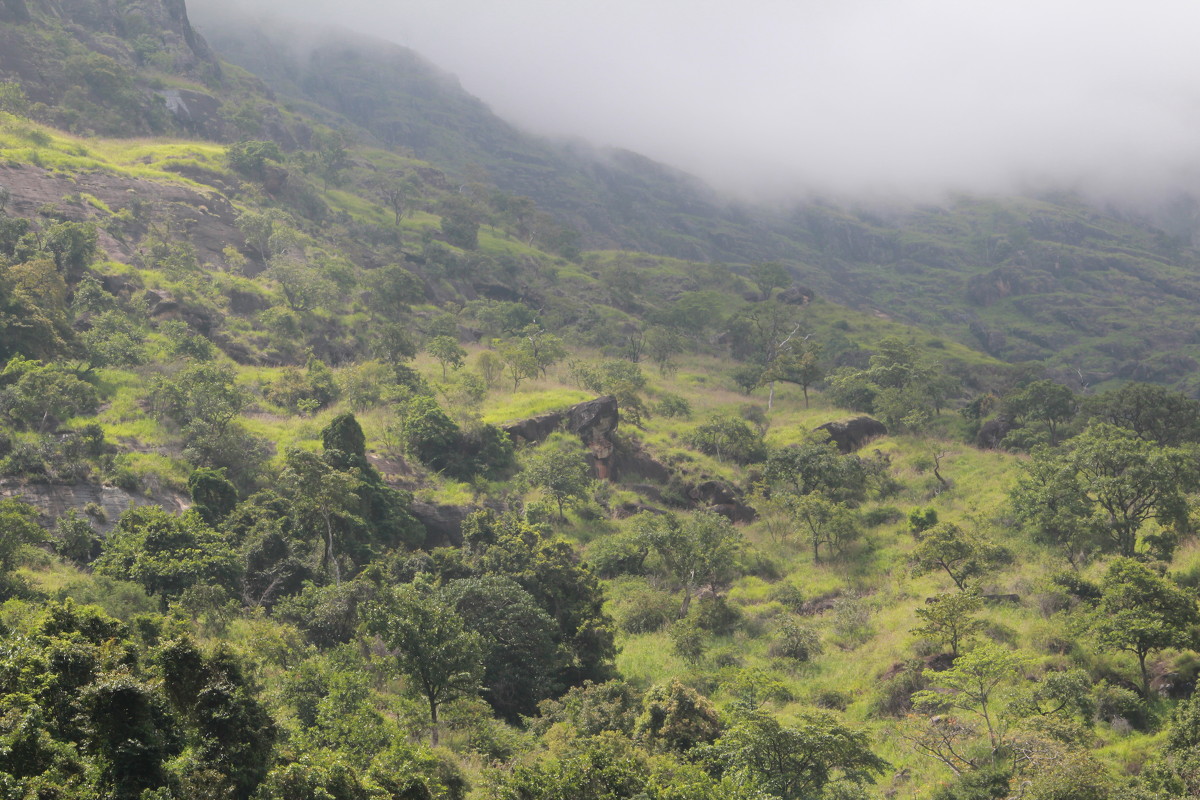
{"x":851,"y":434}
{"x":54,"y":500}
{"x":723,"y":498}
{"x":594,"y":422}
{"x":443,"y":523}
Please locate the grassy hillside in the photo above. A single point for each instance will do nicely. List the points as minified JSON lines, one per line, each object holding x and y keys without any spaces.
{"x":278,"y":386}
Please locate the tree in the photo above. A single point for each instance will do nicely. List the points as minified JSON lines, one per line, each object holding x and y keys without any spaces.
{"x":560,"y":469}
{"x":823,"y":521}
{"x":974,"y":684}
{"x":662,"y":344}
{"x":1141,"y":612}
{"x":213,"y":496}
{"x":949,"y":619}
{"x":167,"y":553}
{"x":1112,"y":474}
{"x":18,"y":530}
{"x":520,"y":657}
{"x":697,"y":551}
{"x":799,"y":761}
{"x":817,"y":466}
{"x":431,"y":645}
{"x":328,"y":497}
{"x":393,"y":291}
{"x":447,"y":351}
{"x":800,"y":364}
{"x":397,"y":191}
{"x":725,"y":436}
{"x":1155,"y":413}
{"x":1044,"y":401}
{"x":678,"y":718}
{"x":770,"y":275}
{"x":960,"y":555}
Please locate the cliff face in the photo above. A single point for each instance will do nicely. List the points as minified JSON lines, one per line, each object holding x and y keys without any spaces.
{"x":99,"y":66}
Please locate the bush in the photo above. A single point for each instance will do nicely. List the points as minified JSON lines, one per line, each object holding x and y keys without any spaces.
{"x":797,"y":642}
{"x":673,"y":406}
{"x":645,"y":611}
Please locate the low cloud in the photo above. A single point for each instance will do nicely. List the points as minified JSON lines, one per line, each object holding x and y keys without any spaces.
{"x":777,"y":98}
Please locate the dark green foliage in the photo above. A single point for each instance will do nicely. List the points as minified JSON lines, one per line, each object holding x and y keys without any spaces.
{"x":989,"y":782}
{"x":130,"y":732}
{"x":728,"y":437}
{"x":593,"y":708}
{"x":213,"y":496}
{"x":560,"y":469}
{"x":231,"y":732}
{"x":431,"y":644}
{"x":697,"y":551}
{"x":429,"y":434}
{"x":1047,"y":402}
{"x":166,"y":553}
{"x":550,"y":571}
{"x":328,"y":615}
{"x":250,"y":158}
{"x":520,"y":657}
{"x":1154,"y":413}
{"x":1141,"y":612}
{"x":798,"y":761}
{"x":75,"y":539}
{"x":73,"y":246}
{"x":1105,"y":487}
{"x":816,"y":466}
{"x":36,"y":396}
{"x":677,"y":717}
{"x":18,"y":530}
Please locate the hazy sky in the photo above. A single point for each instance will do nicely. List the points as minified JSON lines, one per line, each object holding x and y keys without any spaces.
{"x":834,"y":95}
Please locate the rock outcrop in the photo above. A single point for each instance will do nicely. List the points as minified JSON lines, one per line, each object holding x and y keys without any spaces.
{"x":106,"y":503}
{"x":594,"y":422}
{"x":851,"y":434}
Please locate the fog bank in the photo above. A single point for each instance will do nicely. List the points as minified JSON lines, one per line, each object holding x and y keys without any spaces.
{"x":774,"y":98}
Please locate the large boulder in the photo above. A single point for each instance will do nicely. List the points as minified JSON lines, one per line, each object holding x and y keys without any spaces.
{"x":723,"y":498}
{"x":851,"y":434}
{"x":594,"y":422}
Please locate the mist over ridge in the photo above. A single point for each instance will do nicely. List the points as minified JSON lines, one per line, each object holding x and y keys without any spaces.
{"x":771,"y":100}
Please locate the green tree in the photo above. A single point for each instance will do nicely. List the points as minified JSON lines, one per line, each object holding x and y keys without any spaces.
{"x":166,"y":553}
{"x":326,"y":499}
{"x":725,"y":436}
{"x":1044,"y":401}
{"x":560,"y":469}
{"x":959,"y":554}
{"x":798,"y":761}
{"x":824,"y":522}
{"x":977,"y":684}
{"x":447,"y":351}
{"x":697,"y":551}
{"x":1141,"y":612}
{"x":1155,"y":413}
{"x":950,"y":620}
{"x":432,"y":646}
{"x":1111,"y":474}
{"x":817,"y":466}
{"x":520,"y":656}
{"x":18,"y":530}
{"x":677,"y":717}
{"x":213,"y":495}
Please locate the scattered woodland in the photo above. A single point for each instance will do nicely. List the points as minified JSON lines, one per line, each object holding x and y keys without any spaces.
{"x":330,"y":469}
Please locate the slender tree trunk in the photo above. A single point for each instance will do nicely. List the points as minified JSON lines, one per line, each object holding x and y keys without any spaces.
{"x":329,"y":554}
{"x":771,"y":397}
{"x":433,"y":723}
{"x":1145,"y":675}
{"x":805,"y":390}
{"x":687,"y":602}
